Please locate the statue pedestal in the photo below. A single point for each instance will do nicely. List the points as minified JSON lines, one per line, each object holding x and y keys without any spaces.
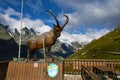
{"x":35,"y":70}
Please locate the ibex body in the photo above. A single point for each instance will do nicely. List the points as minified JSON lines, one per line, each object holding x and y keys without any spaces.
{"x":47,"y":39}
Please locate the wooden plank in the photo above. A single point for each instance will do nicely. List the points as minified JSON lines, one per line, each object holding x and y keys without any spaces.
{"x":31,"y":71}
{"x":104,"y":69}
{"x":9,"y":71}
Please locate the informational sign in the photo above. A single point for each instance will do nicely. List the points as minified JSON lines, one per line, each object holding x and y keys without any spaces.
{"x":52,"y":70}
{"x":35,"y":64}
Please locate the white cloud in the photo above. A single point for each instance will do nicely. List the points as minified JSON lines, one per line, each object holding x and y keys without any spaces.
{"x":89,"y":36}
{"x":11,"y":11}
{"x":95,"y":12}
{"x":36,"y":6}
{"x":95,"y":34}
{"x":13,"y":23}
{"x":37,"y":25}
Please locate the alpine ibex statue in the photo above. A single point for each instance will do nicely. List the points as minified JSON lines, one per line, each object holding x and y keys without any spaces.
{"x":48,"y":37}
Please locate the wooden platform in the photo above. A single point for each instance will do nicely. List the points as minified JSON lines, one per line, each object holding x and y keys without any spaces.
{"x":36,"y":70}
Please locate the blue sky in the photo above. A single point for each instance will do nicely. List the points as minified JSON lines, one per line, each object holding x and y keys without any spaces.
{"x":89,"y":19}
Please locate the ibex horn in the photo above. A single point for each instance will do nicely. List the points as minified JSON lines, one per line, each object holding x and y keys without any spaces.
{"x":67,"y":19}
{"x":53,"y":16}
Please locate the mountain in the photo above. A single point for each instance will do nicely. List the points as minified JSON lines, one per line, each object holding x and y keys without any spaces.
{"x":65,"y":49}
{"x":106,"y":47}
{"x":3,"y":30}
{"x":9,"y":45}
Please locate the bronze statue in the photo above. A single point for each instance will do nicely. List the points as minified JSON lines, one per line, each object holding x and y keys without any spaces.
{"x":48,"y":37}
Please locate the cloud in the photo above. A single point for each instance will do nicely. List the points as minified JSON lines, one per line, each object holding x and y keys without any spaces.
{"x":34,"y":5}
{"x":95,"y":34}
{"x":11,"y":2}
{"x":89,"y":36}
{"x":68,"y":38}
{"x":6,"y":19}
{"x":11,"y":12}
{"x":94,"y":12}
{"x":37,"y":25}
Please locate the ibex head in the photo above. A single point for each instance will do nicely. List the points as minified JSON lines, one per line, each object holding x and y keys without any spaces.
{"x":57,"y":28}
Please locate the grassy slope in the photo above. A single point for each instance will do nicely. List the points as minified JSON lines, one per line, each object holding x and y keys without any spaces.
{"x":103,"y":48}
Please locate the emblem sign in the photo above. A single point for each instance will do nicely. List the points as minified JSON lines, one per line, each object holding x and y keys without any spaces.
{"x":52,"y":70}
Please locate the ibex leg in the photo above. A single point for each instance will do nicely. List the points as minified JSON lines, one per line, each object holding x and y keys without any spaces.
{"x":48,"y":52}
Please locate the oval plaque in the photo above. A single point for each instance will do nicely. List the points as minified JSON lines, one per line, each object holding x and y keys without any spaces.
{"x":52,"y":70}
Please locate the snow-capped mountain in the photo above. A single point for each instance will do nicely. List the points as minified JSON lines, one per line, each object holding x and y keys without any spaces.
{"x":65,"y":49}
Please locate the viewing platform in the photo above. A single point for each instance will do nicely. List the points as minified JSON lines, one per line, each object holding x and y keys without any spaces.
{"x":67,"y":70}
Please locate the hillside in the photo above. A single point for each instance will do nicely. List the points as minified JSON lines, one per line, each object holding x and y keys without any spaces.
{"x":106,"y":47}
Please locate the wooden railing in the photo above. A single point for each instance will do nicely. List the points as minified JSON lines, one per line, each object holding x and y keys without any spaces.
{"x":74,"y":66}
{"x":107,"y":71}
{"x":88,"y":74}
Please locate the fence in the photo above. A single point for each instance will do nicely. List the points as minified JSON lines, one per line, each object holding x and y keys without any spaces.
{"x":74,"y":66}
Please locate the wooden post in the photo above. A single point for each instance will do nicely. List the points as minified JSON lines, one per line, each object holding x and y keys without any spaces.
{"x":44,"y":65}
{"x":44,"y":48}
